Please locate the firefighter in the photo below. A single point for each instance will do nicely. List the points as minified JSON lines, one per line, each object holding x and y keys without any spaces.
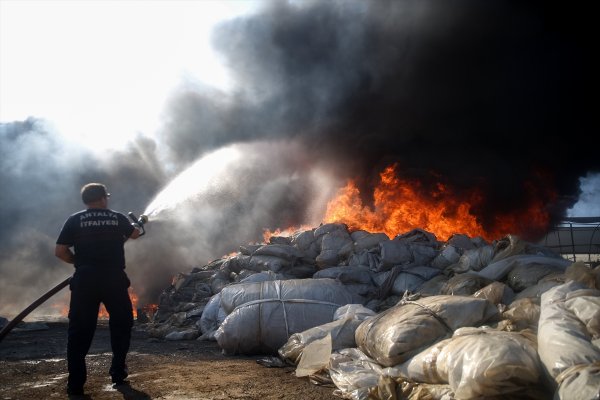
{"x":92,"y":240}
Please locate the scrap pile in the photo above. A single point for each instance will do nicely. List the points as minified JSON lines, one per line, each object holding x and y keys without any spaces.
{"x":407,"y":317}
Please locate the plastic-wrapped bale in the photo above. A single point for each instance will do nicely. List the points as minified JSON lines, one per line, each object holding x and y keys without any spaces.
{"x":358,"y":377}
{"x":569,"y":339}
{"x":261,"y":263}
{"x":368,"y":241}
{"x":448,"y":256}
{"x":418,"y":236}
{"x":480,"y":363}
{"x":433,"y":287}
{"x":498,"y":270}
{"x":509,"y":246}
{"x":394,"y":252}
{"x":401,"y":279}
{"x":262,"y":316}
{"x":464,"y":284}
{"x":212,"y":316}
{"x":523,"y":276}
{"x":357,"y":279}
{"x":404,"y":252}
{"x":541,"y":287}
{"x":331,"y":245}
{"x":395,"y":335}
{"x":496,"y":292}
{"x":521,"y":314}
{"x":474,"y":259}
{"x":347,"y":274}
{"x":512,"y":245}
{"x":368,"y":258}
{"x":341,"y":329}
{"x":306,"y":242}
{"x":285,"y":251}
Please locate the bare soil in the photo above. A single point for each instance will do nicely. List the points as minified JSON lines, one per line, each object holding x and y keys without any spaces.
{"x":33,"y":366}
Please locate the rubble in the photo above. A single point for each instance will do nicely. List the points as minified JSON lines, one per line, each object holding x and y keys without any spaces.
{"x":455,"y":319}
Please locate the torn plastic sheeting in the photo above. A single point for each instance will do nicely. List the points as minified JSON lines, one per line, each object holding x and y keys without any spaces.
{"x":341,"y":332}
{"x":315,"y":357}
{"x":353,"y":373}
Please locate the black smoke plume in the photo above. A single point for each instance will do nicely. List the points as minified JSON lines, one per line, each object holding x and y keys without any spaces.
{"x":494,"y":94}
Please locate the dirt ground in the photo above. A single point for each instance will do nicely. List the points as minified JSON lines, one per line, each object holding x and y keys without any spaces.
{"x":33,"y":366}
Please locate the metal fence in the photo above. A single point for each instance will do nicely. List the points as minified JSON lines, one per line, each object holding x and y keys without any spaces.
{"x":576,"y":238}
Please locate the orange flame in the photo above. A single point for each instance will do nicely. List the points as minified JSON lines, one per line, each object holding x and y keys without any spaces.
{"x":150,"y":309}
{"x":102,"y":313}
{"x":268,"y":234}
{"x":400,"y":205}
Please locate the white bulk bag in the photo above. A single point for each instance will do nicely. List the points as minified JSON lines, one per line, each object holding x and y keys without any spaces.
{"x":263,"y":315}
{"x":479,"y":363}
{"x":395,"y":335}
{"x":569,"y":335}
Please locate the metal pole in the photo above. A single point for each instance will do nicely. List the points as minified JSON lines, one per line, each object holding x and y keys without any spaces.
{"x":573,"y":242}
{"x":32,"y":307}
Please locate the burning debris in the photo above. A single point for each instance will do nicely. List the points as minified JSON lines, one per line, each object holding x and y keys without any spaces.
{"x":343,"y":305}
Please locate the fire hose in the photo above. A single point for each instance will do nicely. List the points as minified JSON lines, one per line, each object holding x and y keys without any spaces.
{"x":9,"y":327}
{"x":32,"y":307}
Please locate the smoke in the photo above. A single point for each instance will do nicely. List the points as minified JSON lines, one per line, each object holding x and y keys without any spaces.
{"x":493,"y":95}
{"x":489,"y":94}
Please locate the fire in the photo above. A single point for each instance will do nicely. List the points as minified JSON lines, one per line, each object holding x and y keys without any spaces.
{"x":103,"y":314}
{"x":150,"y":309}
{"x":268,"y":234}
{"x":401,"y":205}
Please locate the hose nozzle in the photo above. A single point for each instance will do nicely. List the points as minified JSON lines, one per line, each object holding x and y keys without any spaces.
{"x":143,"y":219}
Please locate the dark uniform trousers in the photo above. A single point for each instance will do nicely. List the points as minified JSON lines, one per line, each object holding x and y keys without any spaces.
{"x":91,"y":286}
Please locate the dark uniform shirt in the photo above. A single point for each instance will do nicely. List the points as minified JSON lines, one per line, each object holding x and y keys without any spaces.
{"x":97,"y":236}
